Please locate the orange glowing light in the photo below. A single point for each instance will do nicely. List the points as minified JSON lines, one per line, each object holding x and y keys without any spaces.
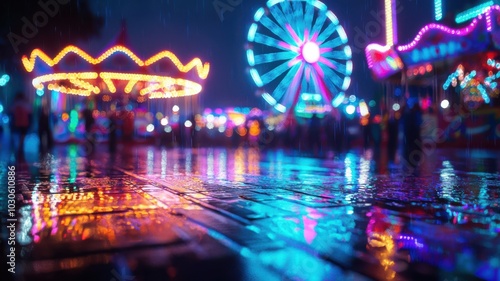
{"x":254,"y":129}
{"x":421,"y":70}
{"x":65,"y":117}
{"x":242,"y":131}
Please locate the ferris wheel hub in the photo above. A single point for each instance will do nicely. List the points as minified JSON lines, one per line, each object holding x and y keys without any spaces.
{"x":311,"y":52}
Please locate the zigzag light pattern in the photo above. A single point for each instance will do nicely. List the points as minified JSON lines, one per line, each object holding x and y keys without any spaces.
{"x":201,"y":69}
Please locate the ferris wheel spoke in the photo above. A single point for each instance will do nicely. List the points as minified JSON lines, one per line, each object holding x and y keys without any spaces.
{"x":308,"y":18}
{"x":322,"y":88}
{"x":286,"y":82}
{"x":345,"y":69}
{"x":266,"y":58}
{"x":277,"y":30}
{"x":320,"y":21}
{"x":299,"y":16}
{"x":271,"y":42}
{"x":337,"y":55}
{"x":277,"y":71}
{"x":330,"y":77}
{"x":334,"y":43}
{"x":288,"y":12}
{"x":292,"y":90}
{"x":327,"y":32}
{"x":282,"y":20}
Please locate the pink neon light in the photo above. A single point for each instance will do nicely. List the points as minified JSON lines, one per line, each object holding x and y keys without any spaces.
{"x":306,"y":35}
{"x":327,"y":63}
{"x":314,"y":37}
{"x":374,"y":48}
{"x":325,"y":50}
{"x":460,"y":32}
{"x":294,"y":35}
{"x":489,"y":26}
{"x":319,"y":70}
{"x":287,"y":46}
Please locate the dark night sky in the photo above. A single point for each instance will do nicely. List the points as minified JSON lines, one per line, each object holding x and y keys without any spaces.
{"x":192,"y":28}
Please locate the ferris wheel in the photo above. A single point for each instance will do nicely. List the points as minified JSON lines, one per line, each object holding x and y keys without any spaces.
{"x":298,"y":56}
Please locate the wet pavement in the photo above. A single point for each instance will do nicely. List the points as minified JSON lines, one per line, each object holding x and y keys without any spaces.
{"x":241,"y":214}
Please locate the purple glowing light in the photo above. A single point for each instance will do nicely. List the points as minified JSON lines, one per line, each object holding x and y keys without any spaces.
{"x":459,"y":32}
{"x":489,"y":25}
{"x":311,"y":52}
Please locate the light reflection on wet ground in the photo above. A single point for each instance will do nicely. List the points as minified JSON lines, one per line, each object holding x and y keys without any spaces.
{"x":241,"y":214}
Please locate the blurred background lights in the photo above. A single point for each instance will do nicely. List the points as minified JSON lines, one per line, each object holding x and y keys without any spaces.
{"x":164,"y":121}
{"x":396,"y":107}
{"x":150,"y":128}
{"x":188,"y":124}
{"x":350,"y":109}
{"x":445,"y":104}
{"x":40,"y":92}
{"x":4,"y":79}
{"x":363,"y":108}
{"x":175,"y":108}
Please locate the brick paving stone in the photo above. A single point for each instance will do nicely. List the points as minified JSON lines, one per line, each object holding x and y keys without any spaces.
{"x":217,"y":214}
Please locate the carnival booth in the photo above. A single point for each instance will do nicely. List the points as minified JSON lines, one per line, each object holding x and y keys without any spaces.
{"x":451,"y":72}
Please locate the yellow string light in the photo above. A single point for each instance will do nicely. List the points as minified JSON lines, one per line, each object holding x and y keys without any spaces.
{"x":29,"y":63}
{"x":157,"y":86}
{"x":130,"y":86}
{"x":85,"y":85}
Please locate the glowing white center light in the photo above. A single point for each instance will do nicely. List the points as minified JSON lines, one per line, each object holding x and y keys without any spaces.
{"x":175,"y":108}
{"x":188,"y":124}
{"x":150,"y":128}
{"x":164,"y":121}
{"x":350,"y":109}
{"x":396,"y":107}
{"x":311,"y":52}
{"x":445,"y":104}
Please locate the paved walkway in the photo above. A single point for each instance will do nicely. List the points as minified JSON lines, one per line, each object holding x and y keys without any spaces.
{"x":217,"y":214}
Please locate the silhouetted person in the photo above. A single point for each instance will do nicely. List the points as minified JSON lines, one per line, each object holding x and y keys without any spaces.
{"x":339,"y":132}
{"x":367,"y":135}
{"x":315,"y":133}
{"x":412,"y":123}
{"x":44,"y":130}
{"x":21,"y":116}
{"x":88,"y":116}
{"x":192,"y":131}
{"x":392,"y":135}
{"x":113,"y":132}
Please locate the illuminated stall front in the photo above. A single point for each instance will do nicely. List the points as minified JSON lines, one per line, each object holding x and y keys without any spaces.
{"x":449,"y":70}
